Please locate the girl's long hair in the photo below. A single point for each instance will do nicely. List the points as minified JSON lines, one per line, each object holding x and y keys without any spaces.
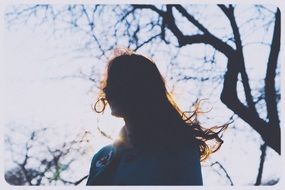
{"x":141,"y":88}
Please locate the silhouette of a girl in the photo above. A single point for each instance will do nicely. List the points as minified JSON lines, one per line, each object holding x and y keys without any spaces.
{"x":159,"y":144}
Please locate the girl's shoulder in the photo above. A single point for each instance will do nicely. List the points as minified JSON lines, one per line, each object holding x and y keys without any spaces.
{"x":104,"y":154}
{"x":100,"y":162}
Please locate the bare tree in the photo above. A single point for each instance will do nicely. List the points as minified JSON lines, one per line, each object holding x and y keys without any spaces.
{"x":47,"y":168}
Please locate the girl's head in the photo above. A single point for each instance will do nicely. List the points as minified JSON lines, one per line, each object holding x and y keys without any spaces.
{"x":135,"y":89}
{"x":133,"y":85}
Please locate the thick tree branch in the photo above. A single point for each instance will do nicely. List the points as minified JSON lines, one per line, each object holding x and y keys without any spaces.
{"x":229,"y":12}
{"x":271,"y":135}
{"x":270,"y":91}
{"x":229,"y":97}
{"x":207,"y":39}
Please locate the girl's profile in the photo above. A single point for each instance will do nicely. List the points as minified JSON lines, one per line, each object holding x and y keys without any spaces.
{"x":159,"y":144}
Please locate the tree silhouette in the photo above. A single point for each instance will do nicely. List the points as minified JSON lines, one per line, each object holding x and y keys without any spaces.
{"x":47,"y":168}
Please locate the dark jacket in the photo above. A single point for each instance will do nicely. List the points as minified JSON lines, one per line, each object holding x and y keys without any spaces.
{"x":125,"y":166}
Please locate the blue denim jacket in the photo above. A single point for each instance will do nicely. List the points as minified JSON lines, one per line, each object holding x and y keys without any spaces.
{"x":125,"y":166}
